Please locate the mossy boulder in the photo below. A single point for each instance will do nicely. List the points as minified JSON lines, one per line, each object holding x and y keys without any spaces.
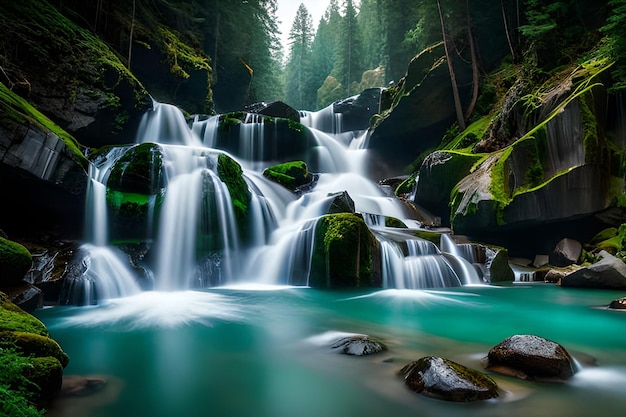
{"x":344,"y":253}
{"x":27,"y":338}
{"x":291,"y":175}
{"x":447,"y":380}
{"x":231,"y":173}
{"x":134,"y":188}
{"x":15,"y":261}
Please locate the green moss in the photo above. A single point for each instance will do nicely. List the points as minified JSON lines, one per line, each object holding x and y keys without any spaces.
{"x":291,"y":175}
{"x":407,"y":186}
{"x":18,"y":110}
{"x":35,"y":345}
{"x":138,"y":171}
{"x":231,"y":174}
{"x":394,"y":222}
{"x":13,"y":318}
{"x":17,"y":392}
{"x":466,"y":139}
{"x":15,"y":261}
{"x":343,"y":253}
{"x":181,"y":57}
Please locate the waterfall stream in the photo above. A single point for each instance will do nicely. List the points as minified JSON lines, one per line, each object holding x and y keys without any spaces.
{"x":195,"y":239}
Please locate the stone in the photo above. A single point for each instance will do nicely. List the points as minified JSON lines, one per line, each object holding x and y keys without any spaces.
{"x":531,"y":357}
{"x":566,"y":252}
{"x":619,"y":304}
{"x":608,"y":273}
{"x":447,"y":380}
{"x":541,"y":260}
{"x":358,"y":345}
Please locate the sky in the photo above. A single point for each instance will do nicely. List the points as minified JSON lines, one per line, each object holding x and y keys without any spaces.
{"x":287,"y":13}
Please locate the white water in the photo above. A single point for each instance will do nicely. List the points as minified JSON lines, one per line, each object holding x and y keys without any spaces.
{"x":196,"y":210}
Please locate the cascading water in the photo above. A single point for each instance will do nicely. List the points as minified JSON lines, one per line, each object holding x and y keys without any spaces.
{"x":194,"y":237}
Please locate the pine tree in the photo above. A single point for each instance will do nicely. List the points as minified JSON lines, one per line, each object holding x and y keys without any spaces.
{"x":299,"y":92}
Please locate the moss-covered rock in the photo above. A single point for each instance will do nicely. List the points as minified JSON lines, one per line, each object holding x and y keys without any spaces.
{"x":438,"y":175}
{"x":23,"y":337}
{"x":231,"y":174}
{"x":138,"y":171}
{"x":70,"y":74}
{"x":344,"y":253}
{"x":291,"y":175}
{"x":15,"y":261}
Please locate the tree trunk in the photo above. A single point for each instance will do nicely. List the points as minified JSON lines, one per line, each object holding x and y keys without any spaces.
{"x":506,"y":30}
{"x":455,"y":89}
{"x":130,"y":37}
{"x":475,"y":73}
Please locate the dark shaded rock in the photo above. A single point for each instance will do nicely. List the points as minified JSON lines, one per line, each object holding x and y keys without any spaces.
{"x":566,"y":252}
{"x":531,"y":357}
{"x":555,"y":275}
{"x":27,"y":297}
{"x":447,"y":380}
{"x":78,"y":385}
{"x":358,"y":345}
{"x":608,"y":273}
{"x":438,"y":175}
{"x":498,"y":264}
{"x":274,"y":109}
{"x":341,"y":203}
{"x":357,"y":111}
{"x":619,"y":304}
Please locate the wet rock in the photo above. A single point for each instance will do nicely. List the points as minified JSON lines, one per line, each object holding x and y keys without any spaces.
{"x":619,"y":304}
{"x":566,"y":252}
{"x":447,"y":380}
{"x":274,"y":109}
{"x":608,"y":273}
{"x":358,"y":345}
{"x":531,"y":357}
{"x":79,"y":385}
{"x":341,"y":203}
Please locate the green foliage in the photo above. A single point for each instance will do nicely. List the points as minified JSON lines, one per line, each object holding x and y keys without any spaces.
{"x":616,"y":45}
{"x":16,"y":391}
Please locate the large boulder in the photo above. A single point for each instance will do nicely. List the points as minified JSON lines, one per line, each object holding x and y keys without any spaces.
{"x":447,"y":380}
{"x":566,"y":252}
{"x":274,"y":109}
{"x":420,"y":109}
{"x":531,"y":357}
{"x":294,"y":175}
{"x":608,"y":273}
{"x":344,"y":253}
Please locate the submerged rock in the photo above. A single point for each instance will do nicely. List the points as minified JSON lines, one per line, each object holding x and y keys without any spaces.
{"x":358,"y":345}
{"x":619,"y":304}
{"x":531,"y":357}
{"x":447,"y":380}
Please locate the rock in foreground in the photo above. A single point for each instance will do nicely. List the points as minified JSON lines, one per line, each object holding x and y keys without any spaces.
{"x":531,"y":357}
{"x":446,"y":380}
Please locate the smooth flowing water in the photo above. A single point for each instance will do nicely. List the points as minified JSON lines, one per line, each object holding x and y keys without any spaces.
{"x":253,"y":339}
{"x":266,"y":351}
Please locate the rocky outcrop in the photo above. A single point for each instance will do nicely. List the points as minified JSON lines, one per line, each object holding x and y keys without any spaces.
{"x":531,"y":357}
{"x":274,"y":109}
{"x":294,"y":176}
{"x":69,"y":74}
{"x":447,"y":380}
{"x":608,"y":273}
{"x":422,"y":110}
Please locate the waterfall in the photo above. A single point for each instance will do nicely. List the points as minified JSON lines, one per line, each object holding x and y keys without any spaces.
{"x":194,"y":239}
